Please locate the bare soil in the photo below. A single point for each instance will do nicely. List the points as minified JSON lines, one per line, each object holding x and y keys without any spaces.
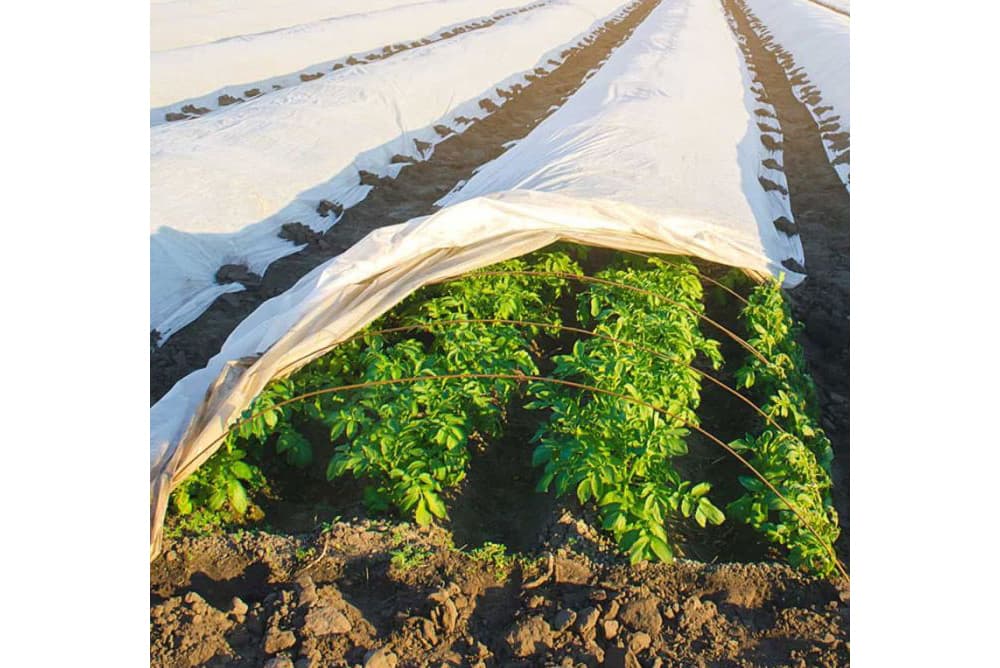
{"x":336,"y":599}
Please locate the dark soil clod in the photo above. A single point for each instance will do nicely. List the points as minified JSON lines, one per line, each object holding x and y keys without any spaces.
{"x":786,"y":226}
{"x":793,"y":265}
{"x":402,"y":159}
{"x":770,"y":143}
{"x":769,"y":185}
{"x":368,"y":178}
{"x":299,"y":234}
{"x":237,"y":273}
{"x":326,"y":207}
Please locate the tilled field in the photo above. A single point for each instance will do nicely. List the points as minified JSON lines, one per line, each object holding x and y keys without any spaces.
{"x":379,"y":593}
{"x":343,"y":598}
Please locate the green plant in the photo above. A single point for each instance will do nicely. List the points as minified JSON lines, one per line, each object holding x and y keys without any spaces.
{"x":219,"y":493}
{"x":409,"y":557}
{"x":796,"y":459}
{"x":411,"y":441}
{"x":495,"y":555}
{"x":616,"y":411}
{"x":620,"y":454}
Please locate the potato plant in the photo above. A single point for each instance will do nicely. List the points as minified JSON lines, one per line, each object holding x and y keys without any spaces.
{"x":220,"y":491}
{"x":620,"y":454}
{"x":797,"y":458}
{"x":615,"y":412}
{"x":410,"y":442}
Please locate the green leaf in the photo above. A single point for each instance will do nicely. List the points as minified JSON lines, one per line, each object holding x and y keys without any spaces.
{"x":241,"y":470}
{"x":629,"y":539}
{"x":435,"y":505}
{"x":699,"y":516}
{"x":701,"y":489}
{"x":541,"y":455}
{"x":217,"y":498}
{"x":422,"y":516}
{"x":336,"y":467}
{"x":543,"y":484}
{"x":238,"y":497}
{"x":661,"y":550}
{"x":711,"y":513}
{"x":676,"y":446}
{"x":751,"y":483}
{"x":295,"y":446}
{"x":409,"y":498}
{"x":637,"y":552}
{"x":182,"y":501}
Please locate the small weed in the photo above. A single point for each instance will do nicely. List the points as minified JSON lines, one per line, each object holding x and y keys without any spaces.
{"x":496,"y":555}
{"x":398,"y":536}
{"x":327,"y":527}
{"x":408,"y":557}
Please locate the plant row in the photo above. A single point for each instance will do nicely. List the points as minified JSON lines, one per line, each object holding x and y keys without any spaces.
{"x":617,"y":410}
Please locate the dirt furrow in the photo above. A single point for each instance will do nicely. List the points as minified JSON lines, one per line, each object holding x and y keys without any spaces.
{"x":836,"y":138}
{"x":465,"y":147}
{"x":189,"y":109}
{"x":387,"y":594}
{"x":821,"y":207}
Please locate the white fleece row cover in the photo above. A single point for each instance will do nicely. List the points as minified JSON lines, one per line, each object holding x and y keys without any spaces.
{"x":819,"y":40}
{"x":643,"y":93}
{"x":222,"y":185}
{"x":179,"y":23}
{"x":201,"y":72}
{"x":651,"y":129}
